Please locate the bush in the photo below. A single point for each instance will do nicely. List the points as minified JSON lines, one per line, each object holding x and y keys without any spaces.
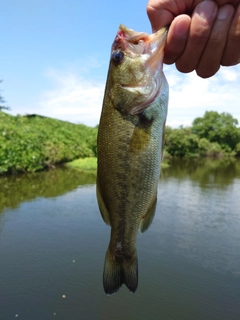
{"x":237,"y":149}
{"x":181,"y":142}
{"x":210,"y":149}
{"x":31,"y":143}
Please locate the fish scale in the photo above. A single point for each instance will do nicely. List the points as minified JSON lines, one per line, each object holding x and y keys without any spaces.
{"x":130,"y":139}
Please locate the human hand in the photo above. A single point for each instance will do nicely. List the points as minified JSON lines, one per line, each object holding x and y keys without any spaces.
{"x":203,"y":35}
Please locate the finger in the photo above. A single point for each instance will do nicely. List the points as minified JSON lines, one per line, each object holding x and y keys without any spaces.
{"x":177,"y":38}
{"x":232,"y":2}
{"x":210,"y":60}
{"x":202,"y":21}
{"x":231,"y":54}
{"x":158,"y":18}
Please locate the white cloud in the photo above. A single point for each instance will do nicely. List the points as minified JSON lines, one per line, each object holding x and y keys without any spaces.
{"x":190,"y":96}
{"x":74,"y":98}
{"x":78,"y":99}
{"x":230,"y":74}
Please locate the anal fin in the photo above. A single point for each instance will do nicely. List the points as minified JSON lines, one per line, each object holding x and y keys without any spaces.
{"x":148,"y":217}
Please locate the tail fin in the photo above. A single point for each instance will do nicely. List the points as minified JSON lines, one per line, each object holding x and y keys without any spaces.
{"x":118,"y":271}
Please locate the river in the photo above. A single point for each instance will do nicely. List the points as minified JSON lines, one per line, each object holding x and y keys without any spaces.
{"x":53,"y":243}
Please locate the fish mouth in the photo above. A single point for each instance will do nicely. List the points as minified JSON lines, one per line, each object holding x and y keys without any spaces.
{"x":148,"y":50}
{"x":141,"y":43}
{"x":155,"y":48}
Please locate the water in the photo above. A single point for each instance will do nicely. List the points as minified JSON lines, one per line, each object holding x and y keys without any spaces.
{"x":53,"y":243}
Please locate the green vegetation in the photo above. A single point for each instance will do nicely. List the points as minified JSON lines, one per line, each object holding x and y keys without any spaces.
{"x":164,"y":165}
{"x":212,"y":135}
{"x":89,"y":164}
{"x":32,"y":143}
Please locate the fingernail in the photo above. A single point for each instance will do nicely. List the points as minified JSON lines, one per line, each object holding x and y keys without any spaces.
{"x":225,"y":12}
{"x":206,"y":9}
{"x":181,"y":27}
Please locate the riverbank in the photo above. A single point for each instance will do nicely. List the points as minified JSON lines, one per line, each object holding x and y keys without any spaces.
{"x":90,"y":164}
{"x":86,"y":164}
{"x":33,"y":143}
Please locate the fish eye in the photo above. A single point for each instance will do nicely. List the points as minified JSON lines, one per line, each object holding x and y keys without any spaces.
{"x":117,"y":57}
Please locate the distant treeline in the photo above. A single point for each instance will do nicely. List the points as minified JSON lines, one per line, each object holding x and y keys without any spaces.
{"x":32,"y":143}
{"x":215,"y":134}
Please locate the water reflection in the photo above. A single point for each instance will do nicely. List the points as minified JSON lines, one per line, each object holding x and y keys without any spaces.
{"x":206,"y":172}
{"x":25,"y":187}
{"x":200,"y":205}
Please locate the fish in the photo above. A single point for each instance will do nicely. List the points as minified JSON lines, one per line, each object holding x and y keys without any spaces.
{"x":129,"y":146}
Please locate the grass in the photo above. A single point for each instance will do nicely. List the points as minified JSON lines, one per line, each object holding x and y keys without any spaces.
{"x":91,"y":164}
{"x":165,"y":165}
{"x":84,"y":164}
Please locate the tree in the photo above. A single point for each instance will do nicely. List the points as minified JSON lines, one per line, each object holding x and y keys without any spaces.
{"x":207,"y":148}
{"x":218,"y":127}
{"x":181,"y":142}
{"x":237,"y":149}
{"x":2,"y":101}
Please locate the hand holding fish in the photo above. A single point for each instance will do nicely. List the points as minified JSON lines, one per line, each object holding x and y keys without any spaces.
{"x":203,"y":35}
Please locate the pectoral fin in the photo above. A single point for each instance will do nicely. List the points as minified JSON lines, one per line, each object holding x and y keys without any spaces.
{"x":102,"y":207}
{"x":148,"y":217}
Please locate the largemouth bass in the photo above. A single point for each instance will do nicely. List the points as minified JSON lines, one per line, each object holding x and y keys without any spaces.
{"x":130,"y":141}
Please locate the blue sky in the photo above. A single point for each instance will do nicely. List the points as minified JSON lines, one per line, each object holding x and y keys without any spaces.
{"x":55,"y":56}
